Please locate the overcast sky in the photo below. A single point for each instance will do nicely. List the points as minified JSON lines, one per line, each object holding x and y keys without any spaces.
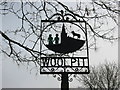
{"x":0,"y":53}
{"x":20,"y":77}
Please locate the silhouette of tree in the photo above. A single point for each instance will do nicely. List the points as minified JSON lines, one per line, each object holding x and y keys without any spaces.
{"x":25,"y":48}
{"x":103,"y":77}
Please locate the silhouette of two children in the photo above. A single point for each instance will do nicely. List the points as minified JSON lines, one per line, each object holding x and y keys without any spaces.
{"x":50,"y":39}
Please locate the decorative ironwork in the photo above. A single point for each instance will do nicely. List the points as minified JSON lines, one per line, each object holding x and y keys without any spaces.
{"x":67,"y":45}
{"x":58,"y":76}
{"x":59,"y":65}
{"x":60,"y":59}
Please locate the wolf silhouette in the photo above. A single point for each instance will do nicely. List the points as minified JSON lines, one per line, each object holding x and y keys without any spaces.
{"x":75,"y":34}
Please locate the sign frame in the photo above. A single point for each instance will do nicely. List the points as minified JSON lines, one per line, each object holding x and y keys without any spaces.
{"x":64,"y":67}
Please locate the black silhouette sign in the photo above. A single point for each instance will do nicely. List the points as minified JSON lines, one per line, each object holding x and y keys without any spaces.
{"x":65,"y":45}
{"x":64,"y":41}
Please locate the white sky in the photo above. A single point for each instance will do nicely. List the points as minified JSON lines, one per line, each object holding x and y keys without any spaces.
{"x":0,"y":54}
{"x":20,"y":77}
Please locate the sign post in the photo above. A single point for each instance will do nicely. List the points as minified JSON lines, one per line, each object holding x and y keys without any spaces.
{"x":64,"y":82}
{"x":66,"y":53}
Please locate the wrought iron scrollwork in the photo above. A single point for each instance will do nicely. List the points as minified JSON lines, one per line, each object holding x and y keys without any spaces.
{"x":76,"y":65}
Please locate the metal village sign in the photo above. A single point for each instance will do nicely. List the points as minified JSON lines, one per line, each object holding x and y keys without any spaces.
{"x":67,"y":52}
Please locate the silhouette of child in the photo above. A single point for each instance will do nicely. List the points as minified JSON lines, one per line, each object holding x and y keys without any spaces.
{"x":56,"y":39}
{"x":50,"y":39}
